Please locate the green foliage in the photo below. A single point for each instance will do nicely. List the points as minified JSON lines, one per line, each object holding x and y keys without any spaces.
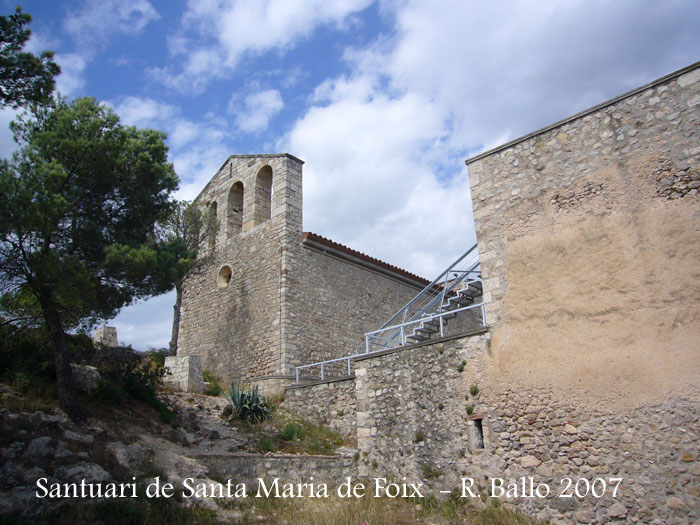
{"x":474,"y":390}
{"x":461,"y":366}
{"x":267,"y":444}
{"x":214,"y":387}
{"x":24,"y":78}
{"x":430,"y":472}
{"x":293,"y":431}
{"x":26,"y":351}
{"x":78,"y":207}
{"x":137,"y":379}
{"x":470,"y":409}
{"x":420,"y":436}
{"x":247,"y":405}
{"x":297,"y":435}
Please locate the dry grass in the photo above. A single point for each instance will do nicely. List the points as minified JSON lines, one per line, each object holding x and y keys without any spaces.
{"x":376,"y":511}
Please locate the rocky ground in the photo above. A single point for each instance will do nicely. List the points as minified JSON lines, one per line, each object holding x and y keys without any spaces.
{"x":115,"y":444}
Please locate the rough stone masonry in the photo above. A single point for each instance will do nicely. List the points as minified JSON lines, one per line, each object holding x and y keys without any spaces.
{"x":589,"y":240}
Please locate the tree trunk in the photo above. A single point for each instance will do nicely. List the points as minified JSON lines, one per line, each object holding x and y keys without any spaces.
{"x":64,"y":376}
{"x":176,"y":318}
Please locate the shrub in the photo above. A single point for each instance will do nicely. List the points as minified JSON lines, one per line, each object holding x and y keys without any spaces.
{"x":420,"y":436}
{"x":267,"y":444}
{"x":293,"y":431}
{"x":214,"y":386}
{"x":470,"y":409}
{"x":138,"y":379}
{"x":461,"y":366}
{"x":429,"y":471}
{"x":473,"y":390}
{"x":247,"y":405}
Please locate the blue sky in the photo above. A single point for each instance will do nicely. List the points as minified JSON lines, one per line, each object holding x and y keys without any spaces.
{"x":383,"y":99}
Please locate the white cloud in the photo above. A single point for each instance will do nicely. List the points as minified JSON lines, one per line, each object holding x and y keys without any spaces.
{"x":131,"y":329}
{"x":7,"y":143}
{"x":197,"y":149}
{"x":143,"y":112}
{"x":385,"y":144}
{"x":257,"y":110}
{"x":71,"y":81}
{"x":98,"y":20}
{"x":215,"y":34}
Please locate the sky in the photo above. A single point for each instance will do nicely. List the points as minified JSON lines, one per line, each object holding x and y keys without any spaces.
{"x":383,"y":100}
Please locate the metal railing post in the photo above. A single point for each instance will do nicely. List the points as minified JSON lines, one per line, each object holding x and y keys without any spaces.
{"x":441,"y":329}
{"x":366,"y":344}
{"x":297,"y":372}
{"x":483,"y":313}
{"x":321,"y":371}
{"x":348,"y":366}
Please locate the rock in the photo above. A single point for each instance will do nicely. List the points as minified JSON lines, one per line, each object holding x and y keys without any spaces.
{"x":40,"y":448}
{"x":687,"y":457}
{"x":529,"y":461}
{"x":20,"y":501}
{"x":38,"y":419}
{"x":62,"y":450}
{"x":129,"y":458}
{"x":90,"y":472}
{"x":617,"y":510}
{"x":695,"y":470}
{"x":675,"y":503}
{"x":570,"y":429}
{"x":12,"y":451}
{"x":583,"y":516}
{"x":84,"y":439}
{"x":30,"y":476}
{"x":85,"y":378}
{"x":10,"y":475}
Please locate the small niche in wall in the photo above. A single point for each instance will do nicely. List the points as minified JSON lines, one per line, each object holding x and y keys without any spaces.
{"x":224,"y":277}
{"x":478,"y":431}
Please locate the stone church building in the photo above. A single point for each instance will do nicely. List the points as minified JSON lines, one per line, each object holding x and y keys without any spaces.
{"x":271,"y":296}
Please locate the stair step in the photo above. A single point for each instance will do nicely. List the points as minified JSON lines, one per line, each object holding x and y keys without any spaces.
{"x":418,"y":337}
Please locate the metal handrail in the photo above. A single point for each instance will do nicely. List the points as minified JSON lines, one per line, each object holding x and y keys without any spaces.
{"x":428,"y":288}
{"x":461,"y":275}
{"x":401,"y":327}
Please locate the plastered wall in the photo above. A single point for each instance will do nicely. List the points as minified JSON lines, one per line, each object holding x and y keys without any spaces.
{"x":589,"y":237}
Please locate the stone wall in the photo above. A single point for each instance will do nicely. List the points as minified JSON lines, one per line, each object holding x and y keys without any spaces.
{"x":589,"y":239}
{"x":412,"y":417}
{"x":106,"y":335}
{"x":334,"y":302}
{"x":184,"y":373}
{"x":232,"y":301}
{"x":413,"y":421}
{"x":331,"y":403}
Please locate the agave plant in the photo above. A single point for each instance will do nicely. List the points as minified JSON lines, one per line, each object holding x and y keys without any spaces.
{"x":246,"y":405}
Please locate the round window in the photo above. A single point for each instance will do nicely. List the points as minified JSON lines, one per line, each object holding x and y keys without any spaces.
{"x":224,"y":277}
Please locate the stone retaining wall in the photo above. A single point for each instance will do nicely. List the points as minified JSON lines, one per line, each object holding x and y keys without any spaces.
{"x":331,"y":403}
{"x":412,"y":421}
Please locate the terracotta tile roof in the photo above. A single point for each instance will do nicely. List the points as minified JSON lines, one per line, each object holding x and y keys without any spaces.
{"x":363,"y":257}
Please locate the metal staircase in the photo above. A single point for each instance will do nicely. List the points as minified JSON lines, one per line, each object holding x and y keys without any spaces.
{"x":428,"y":313}
{"x":454,"y":291}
